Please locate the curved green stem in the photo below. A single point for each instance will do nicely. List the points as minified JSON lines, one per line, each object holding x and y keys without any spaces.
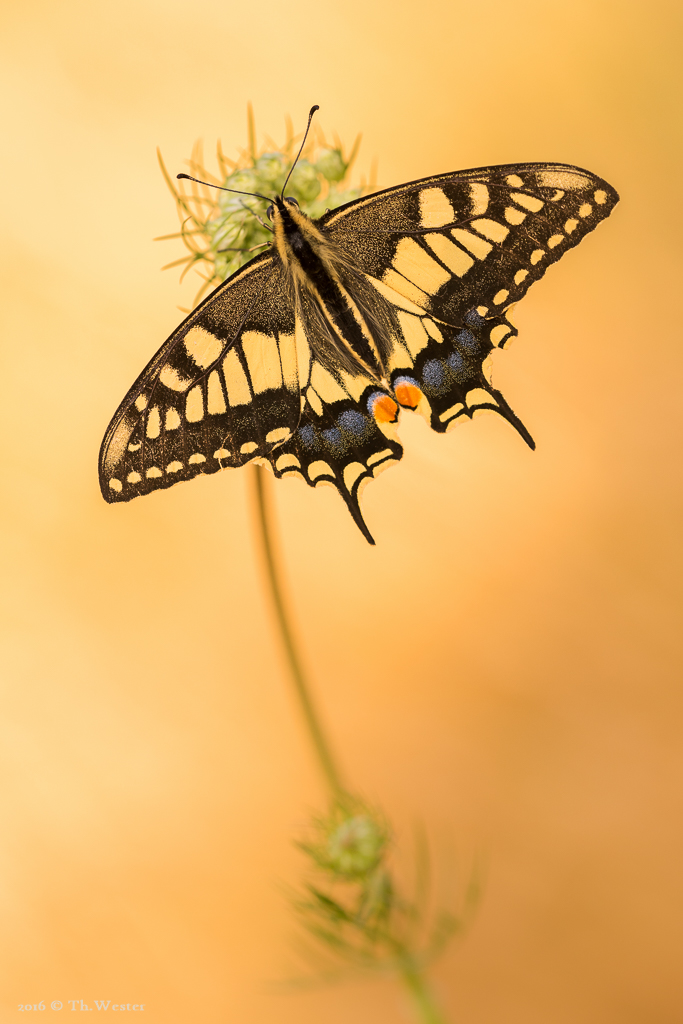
{"x":423,"y":999}
{"x":424,"y":1004}
{"x":315,"y":729}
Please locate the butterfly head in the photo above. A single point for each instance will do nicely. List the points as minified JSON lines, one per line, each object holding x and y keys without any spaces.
{"x":293,"y":230}
{"x":280,"y":203}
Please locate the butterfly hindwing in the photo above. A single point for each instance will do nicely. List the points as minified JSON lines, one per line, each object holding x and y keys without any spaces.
{"x":346,"y":435}
{"x":438,"y":370}
{"x":222,"y":391}
{"x":472,"y":239}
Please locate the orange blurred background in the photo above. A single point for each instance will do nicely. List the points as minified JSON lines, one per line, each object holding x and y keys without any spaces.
{"x":503,"y":667}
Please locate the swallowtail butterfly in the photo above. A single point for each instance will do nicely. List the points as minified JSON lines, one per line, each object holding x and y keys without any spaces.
{"x":304,"y":358}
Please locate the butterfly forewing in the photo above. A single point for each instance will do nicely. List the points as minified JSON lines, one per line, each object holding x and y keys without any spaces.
{"x":222,"y":391}
{"x":473,"y":239}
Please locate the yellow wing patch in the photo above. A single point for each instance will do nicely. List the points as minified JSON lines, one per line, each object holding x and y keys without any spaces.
{"x":413,"y":263}
{"x":436,"y":208}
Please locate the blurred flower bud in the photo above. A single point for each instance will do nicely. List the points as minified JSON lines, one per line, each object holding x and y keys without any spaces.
{"x":331,"y":165}
{"x":304,"y":183}
{"x":270,"y":168}
{"x":356,"y":845}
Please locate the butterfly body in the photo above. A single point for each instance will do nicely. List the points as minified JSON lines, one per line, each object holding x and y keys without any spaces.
{"x":304,"y":357}
{"x":327,"y":295}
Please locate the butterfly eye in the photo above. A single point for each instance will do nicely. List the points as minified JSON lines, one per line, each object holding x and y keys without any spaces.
{"x":292,"y":201}
{"x":269,"y":212}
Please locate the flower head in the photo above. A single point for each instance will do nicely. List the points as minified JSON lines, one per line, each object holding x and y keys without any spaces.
{"x":223,"y":231}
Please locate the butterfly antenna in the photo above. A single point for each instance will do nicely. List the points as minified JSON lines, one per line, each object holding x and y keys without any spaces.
{"x":254,"y":195}
{"x":308,"y":126}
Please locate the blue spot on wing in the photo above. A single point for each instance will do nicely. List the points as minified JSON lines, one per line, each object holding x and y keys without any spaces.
{"x":353,"y":421}
{"x":455,"y":361}
{"x":467,"y":340}
{"x":307,"y":435}
{"x":333,"y":437}
{"x":432,"y":374}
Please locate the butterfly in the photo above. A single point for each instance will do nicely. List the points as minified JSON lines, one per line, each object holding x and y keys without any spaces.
{"x":304,"y":358}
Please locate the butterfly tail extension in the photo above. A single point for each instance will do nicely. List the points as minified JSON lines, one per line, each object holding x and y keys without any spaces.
{"x":343,"y":443}
{"x":352,"y":502}
{"x":443,"y":375}
{"x":461,"y":374}
{"x":502,"y":407}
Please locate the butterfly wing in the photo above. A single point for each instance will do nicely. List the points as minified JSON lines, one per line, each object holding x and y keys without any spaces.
{"x":478,"y":238}
{"x":346,"y":434}
{"x":452,"y":253}
{"x":222,"y":391}
{"x":447,"y":256}
{"x":438,"y":370}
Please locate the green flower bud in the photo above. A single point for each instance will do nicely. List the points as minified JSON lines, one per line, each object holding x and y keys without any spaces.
{"x":243,"y":180}
{"x":304,"y":184}
{"x":355,"y":846}
{"x":331,"y":165}
{"x":223,"y":236}
{"x":270,"y":169}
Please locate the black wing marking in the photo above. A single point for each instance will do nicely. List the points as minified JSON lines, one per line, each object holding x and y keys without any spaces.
{"x":439,"y":371}
{"x":346,"y":435}
{"x":222,"y":391}
{"x":472,"y":239}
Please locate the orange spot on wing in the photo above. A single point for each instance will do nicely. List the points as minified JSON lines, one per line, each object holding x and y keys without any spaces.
{"x":408,"y":395}
{"x":384,"y":409}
